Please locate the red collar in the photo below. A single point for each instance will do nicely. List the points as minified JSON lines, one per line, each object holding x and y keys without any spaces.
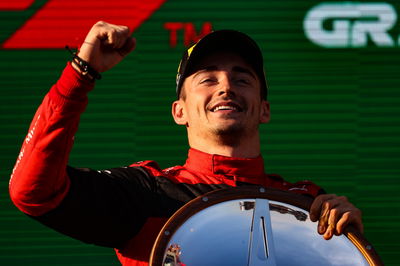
{"x":212,"y":164}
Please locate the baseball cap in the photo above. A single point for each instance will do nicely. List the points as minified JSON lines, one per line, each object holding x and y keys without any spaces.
{"x":223,"y":40}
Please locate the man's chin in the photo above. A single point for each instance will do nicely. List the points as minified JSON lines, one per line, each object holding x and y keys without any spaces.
{"x":230,"y":130}
{"x":231,"y":136}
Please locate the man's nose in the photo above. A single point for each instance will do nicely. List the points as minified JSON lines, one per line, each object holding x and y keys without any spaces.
{"x":226,"y":86}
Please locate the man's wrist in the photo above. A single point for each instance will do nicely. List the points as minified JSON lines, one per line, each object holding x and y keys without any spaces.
{"x":83,"y":67}
{"x":76,"y":67}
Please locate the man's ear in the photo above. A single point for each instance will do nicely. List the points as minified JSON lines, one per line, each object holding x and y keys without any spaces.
{"x":265,"y":114}
{"x":178,"y":112}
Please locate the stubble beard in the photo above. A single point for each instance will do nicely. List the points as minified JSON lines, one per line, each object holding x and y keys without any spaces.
{"x":231,"y":135}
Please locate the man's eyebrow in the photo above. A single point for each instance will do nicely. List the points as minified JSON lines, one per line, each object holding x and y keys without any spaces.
{"x":208,"y":68}
{"x":240,"y":69}
{"x":237,"y":69}
{"x":205,"y":69}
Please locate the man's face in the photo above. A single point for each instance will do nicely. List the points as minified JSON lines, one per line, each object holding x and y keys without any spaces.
{"x":221,"y":98}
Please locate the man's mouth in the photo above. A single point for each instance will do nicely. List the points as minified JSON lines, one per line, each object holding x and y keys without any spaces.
{"x":226,"y":107}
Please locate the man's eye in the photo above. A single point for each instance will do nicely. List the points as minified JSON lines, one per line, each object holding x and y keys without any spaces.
{"x":207,"y":80}
{"x":243,"y":81}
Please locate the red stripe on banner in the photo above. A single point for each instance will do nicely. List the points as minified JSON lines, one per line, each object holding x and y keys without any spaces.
{"x":62,"y":22}
{"x":7,"y":5}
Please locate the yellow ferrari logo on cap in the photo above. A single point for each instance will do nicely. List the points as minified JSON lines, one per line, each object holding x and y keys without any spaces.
{"x":189,"y":51}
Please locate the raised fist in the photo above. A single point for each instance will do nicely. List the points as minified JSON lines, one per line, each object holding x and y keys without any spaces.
{"x":106,"y":45}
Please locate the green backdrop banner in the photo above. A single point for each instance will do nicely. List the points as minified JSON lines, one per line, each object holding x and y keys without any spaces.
{"x":333,"y":72}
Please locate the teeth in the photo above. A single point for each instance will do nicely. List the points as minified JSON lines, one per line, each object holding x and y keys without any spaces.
{"x":224,"y":107}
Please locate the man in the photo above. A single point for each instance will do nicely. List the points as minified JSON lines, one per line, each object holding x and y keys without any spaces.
{"x":221,"y":92}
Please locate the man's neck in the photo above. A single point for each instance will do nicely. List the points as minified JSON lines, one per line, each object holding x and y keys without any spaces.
{"x":242,"y":149}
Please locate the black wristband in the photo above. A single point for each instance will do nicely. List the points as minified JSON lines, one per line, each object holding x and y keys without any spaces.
{"x":83,"y":66}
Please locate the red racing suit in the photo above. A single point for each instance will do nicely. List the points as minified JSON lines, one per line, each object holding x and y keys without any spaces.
{"x":123,"y":208}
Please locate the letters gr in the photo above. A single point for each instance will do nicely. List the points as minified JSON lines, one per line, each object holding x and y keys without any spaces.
{"x":352,"y":24}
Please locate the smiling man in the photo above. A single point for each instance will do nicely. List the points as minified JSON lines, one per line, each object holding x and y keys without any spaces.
{"x":221,"y":104}
{"x":221,"y":100}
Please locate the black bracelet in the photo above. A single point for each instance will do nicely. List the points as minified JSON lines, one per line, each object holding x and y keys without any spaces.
{"x":84,"y":66}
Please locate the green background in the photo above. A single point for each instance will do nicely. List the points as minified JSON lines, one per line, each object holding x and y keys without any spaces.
{"x":335,"y":117}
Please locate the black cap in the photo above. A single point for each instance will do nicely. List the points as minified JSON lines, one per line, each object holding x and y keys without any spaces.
{"x":223,"y":40}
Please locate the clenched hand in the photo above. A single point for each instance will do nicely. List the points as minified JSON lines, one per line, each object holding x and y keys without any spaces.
{"x":106,"y":45}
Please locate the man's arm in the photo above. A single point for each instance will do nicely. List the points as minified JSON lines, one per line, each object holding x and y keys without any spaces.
{"x":39,"y":180}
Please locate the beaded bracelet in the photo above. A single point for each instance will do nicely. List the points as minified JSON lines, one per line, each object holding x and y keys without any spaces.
{"x":83,"y":66}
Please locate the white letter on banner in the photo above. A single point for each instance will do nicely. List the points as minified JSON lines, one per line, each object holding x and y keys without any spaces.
{"x":346,"y":33}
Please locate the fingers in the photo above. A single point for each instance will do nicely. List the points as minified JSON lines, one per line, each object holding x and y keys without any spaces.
{"x":110,"y":35}
{"x":127,"y":47}
{"x":316,"y":206}
{"x":353,"y":217}
{"x":114,"y":36}
{"x":106,"y":45}
{"x":324,"y":219}
{"x":333,"y":214}
{"x":328,"y":218}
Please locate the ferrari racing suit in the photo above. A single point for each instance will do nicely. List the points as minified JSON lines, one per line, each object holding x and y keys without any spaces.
{"x":123,"y":208}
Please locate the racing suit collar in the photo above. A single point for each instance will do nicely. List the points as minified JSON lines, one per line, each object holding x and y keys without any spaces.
{"x":213,"y":164}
